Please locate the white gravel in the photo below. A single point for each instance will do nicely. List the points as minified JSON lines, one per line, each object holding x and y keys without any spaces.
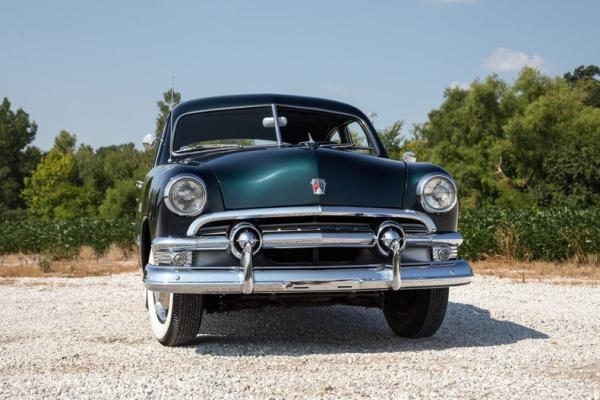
{"x":90,"y":338}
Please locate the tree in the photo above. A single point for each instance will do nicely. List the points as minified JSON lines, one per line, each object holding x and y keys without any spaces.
{"x":586,"y":78}
{"x":582,"y":73}
{"x":533,"y":143}
{"x":170,"y":97}
{"x":416,"y":144}
{"x":556,"y":148}
{"x":17,"y":157}
{"x":465,"y":136}
{"x":65,"y":142}
{"x":391,"y":137}
{"x":54,"y":189}
{"x":120,"y":200}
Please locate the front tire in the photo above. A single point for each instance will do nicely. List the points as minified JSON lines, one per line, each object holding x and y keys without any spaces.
{"x":174,"y":317}
{"x":415,"y":313}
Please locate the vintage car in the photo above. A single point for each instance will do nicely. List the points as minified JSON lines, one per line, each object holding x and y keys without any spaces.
{"x":259,"y":200}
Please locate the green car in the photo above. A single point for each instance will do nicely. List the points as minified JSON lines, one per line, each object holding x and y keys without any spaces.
{"x":258,"y":200}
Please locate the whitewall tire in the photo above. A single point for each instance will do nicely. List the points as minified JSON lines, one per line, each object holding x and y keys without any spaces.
{"x":174,"y":317}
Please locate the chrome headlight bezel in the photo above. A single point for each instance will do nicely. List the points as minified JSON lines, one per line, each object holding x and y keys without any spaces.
{"x":421,"y":187}
{"x":171,"y":185}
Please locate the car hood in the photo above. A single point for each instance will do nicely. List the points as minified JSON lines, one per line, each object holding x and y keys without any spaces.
{"x":277,"y":177}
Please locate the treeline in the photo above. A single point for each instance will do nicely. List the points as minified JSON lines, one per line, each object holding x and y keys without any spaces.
{"x":70,"y":180}
{"x":79,"y":181}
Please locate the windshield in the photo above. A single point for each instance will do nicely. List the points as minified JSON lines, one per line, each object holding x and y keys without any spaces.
{"x":225,"y":128}
{"x":324,"y":129}
{"x":256,"y":127}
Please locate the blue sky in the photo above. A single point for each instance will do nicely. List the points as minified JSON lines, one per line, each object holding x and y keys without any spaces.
{"x":98,"y":68}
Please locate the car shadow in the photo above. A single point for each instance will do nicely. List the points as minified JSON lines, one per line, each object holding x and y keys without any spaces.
{"x":343,"y":329}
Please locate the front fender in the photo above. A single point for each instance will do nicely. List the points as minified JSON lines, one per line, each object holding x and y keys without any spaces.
{"x":445,"y":222}
{"x":161,"y":221}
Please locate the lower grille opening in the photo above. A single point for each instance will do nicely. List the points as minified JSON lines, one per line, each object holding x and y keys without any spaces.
{"x":314,"y":256}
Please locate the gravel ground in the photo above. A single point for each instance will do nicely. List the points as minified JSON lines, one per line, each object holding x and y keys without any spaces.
{"x":90,"y":338}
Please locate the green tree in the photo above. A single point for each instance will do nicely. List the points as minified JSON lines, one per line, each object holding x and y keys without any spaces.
{"x":120,"y":200}
{"x":122,"y":166}
{"x":532,"y":143}
{"x":53,"y":190}
{"x":17,"y":157}
{"x":555,"y":145}
{"x":586,"y":78}
{"x":170,"y":98}
{"x":391,"y":136}
{"x":416,"y":144}
{"x":465,"y":136}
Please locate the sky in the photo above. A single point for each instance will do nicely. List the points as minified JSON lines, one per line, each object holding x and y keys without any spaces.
{"x":97,"y":68}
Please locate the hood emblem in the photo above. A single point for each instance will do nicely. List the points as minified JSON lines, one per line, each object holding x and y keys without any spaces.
{"x":318,"y":186}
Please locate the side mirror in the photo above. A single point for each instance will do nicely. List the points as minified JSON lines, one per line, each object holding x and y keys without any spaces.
{"x":149,"y":141}
{"x":409,"y":156}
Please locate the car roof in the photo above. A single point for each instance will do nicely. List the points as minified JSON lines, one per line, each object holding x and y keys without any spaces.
{"x":248,"y":100}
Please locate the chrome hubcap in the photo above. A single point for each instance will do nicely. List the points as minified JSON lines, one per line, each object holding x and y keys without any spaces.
{"x":161,"y":305}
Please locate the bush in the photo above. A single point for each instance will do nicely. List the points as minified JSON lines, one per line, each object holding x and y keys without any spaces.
{"x":63,"y":238}
{"x":549,"y":234}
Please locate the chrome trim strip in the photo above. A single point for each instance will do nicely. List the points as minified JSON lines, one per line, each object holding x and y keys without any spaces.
{"x":306,"y":211}
{"x":367,"y":277}
{"x":190,"y":244}
{"x":317,"y":239}
{"x":424,"y":239}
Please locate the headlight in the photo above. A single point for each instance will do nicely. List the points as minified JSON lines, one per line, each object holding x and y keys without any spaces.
{"x":185,"y":195}
{"x":437,"y":192}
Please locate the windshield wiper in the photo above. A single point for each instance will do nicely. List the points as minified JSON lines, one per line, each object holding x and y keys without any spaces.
{"x":209,"y":147}
{"x":344,"y":146}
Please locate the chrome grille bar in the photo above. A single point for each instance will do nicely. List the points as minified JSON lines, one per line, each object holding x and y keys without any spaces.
{"x":298,"y":240}
{"x":308,"y":211}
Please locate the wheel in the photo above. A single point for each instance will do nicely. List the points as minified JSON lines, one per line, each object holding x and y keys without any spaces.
{"x":175,"y":318}
{"x":415,"y":313}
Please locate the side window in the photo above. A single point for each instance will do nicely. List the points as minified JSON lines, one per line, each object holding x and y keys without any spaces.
{"x":334,"y":136}
{"x":359,"y":138}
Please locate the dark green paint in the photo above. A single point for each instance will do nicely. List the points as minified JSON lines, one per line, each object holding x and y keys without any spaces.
{"x":278,"y":177}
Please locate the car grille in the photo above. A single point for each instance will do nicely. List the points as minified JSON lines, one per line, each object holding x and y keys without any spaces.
{"x":331,"y":256}
{"x":273,"y":225}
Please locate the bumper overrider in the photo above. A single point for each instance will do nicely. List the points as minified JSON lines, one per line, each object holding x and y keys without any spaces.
{"x":172,"y":268}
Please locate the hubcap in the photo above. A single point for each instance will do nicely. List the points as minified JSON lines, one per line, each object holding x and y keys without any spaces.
{"x":161,"y":305}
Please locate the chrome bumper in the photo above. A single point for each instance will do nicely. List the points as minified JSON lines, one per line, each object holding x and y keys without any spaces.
{"x":356,"y":278}
{"x":433,"y":263}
